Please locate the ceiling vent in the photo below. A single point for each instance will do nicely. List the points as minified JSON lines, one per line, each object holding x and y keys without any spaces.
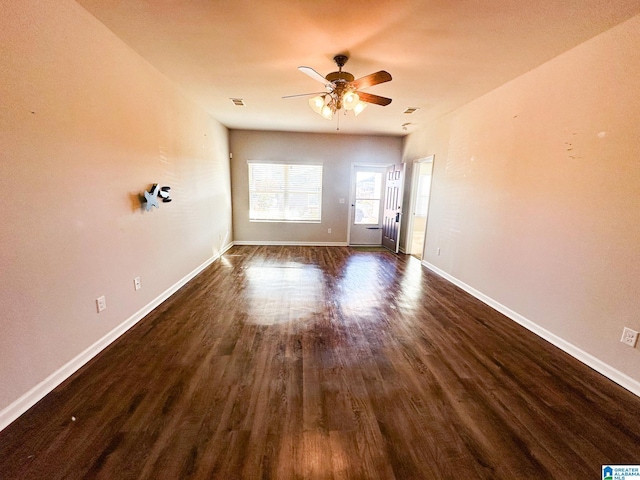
{"x":411,"y":110}
{"x":238,"y":102}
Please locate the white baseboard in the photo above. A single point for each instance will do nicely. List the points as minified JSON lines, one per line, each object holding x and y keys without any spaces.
{"x":293,"y":244}
{"x":29,"y":399}
{"x":598,"y":365}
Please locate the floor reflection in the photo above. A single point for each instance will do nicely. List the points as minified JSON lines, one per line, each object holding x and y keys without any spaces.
{"x":284,"y":292}
{"x":366,"y":285}
{"x":410,"y":291}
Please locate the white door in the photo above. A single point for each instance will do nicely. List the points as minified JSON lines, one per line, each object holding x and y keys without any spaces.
{"x":391,"y":221}
{"x":367,"y":184}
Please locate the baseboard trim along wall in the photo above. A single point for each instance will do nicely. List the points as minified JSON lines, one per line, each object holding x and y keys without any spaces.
{"x":293,"y":244}
{"x":37,"y":393}
{"x":598,"y":365}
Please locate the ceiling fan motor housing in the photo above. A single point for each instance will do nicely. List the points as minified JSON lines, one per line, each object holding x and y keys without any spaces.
{"x":340,"y":77}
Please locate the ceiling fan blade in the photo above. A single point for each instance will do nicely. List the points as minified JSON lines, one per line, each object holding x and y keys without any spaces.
{"x":315,"y":75}
{"x":304,"y":94}
{"x":377,"y":99}
{"x":372,"y":79}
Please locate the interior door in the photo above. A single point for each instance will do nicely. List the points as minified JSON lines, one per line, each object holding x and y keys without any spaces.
{"x":393,"y":207}
{"x":366,"y":205}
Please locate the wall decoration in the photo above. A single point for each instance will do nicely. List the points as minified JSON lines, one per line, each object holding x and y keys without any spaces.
{"x":151,"y":197}
{"x":164,"y":193}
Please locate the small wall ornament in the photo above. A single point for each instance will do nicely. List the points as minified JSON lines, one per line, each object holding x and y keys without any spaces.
{"x":151,"y":197}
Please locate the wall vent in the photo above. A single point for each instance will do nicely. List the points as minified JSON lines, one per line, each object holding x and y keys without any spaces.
{"x":238,"y":102}
{"x":411,"y":110}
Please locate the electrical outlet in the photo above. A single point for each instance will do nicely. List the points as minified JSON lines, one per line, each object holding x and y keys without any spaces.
{"x":629,"y":337}
{"x":101,"y":303}
{"x":438,"y":251}
{"x":136,"y":283}
{"x":328,"y":230}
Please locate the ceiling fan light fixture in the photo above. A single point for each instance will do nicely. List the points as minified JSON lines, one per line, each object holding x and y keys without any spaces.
{"x":359,"y":107}
{"x":350,"y":100}
{"x":316,"y":103}
{"x":327,"y":112}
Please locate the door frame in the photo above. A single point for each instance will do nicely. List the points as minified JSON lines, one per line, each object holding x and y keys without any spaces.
{"x":352,"y":179}
{"x":413,"y":200}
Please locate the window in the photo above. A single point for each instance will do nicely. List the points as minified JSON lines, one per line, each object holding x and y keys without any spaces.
{"x":368,"y":196}
{"x":281,"y":192}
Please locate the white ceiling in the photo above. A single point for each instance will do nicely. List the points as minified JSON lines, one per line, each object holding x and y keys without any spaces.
{"x":441,"y":53}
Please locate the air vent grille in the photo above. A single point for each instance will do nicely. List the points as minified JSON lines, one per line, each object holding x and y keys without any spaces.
{"x":238,"y":102}
{"x":411,"y":110}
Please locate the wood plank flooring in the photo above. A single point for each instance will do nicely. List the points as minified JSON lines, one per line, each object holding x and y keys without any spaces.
{"x":325,"y":363}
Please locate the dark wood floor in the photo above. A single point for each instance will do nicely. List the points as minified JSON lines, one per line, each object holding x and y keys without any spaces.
{"x":330,"y":363}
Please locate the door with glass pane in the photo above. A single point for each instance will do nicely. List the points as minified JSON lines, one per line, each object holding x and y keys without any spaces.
{"x":366,"y":205}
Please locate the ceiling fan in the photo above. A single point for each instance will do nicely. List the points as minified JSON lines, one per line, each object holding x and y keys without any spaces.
{"x":343,"y":91}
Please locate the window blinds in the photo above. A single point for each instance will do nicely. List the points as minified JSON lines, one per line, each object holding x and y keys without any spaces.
{"x":280,"y":192}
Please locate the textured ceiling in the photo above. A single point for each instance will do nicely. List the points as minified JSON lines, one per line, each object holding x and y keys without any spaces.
{"x":441,"y":53}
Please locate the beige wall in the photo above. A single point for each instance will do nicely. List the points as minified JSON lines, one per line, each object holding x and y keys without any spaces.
{"x":85,"y":127}
{"x":335,"y":151}
{"x":536,"y":195}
